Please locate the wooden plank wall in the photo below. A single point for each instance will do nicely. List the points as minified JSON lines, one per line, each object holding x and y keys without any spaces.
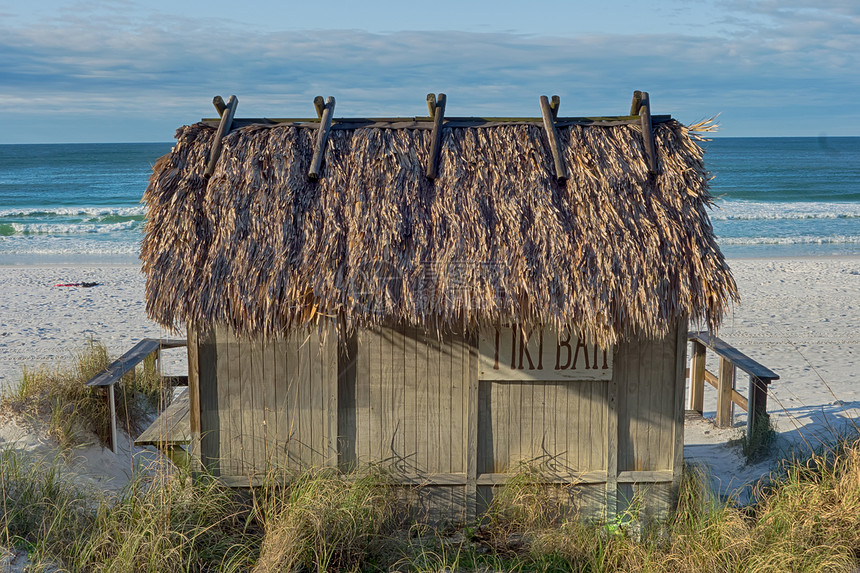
{"x":558,"y":427}
{"x":267,"y":404}
{"x":646,"y":405}
{"x":650,"y":421}
{"x":410,"y":398}
{"x":413,"y":404}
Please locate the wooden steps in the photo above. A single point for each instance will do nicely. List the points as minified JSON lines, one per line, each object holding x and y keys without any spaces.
{"x":172,"y":429}
{"x":126,"y":363}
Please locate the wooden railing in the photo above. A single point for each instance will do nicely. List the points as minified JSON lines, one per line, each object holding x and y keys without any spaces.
{"x":126,"y":363}
{"x":730,"y":359}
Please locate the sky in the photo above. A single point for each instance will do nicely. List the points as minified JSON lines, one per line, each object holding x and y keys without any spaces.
{"x":129,"y":71}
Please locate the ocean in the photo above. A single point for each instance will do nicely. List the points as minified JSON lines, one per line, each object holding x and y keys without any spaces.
{"x":80,"y":203}
{"x":785,"y":196}
{"x":73,"y":203}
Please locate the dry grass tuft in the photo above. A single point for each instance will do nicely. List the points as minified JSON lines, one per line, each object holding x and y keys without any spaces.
{"x":321,"y":521}
{"x":161,"y":523}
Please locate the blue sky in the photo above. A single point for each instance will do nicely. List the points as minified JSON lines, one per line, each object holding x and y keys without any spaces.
{"x":117,"y":70}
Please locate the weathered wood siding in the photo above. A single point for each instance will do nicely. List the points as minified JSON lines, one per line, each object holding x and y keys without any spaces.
{"x":406,"y":399}
{"x":266,"y":403}
{"x":558,"y":427}
{"x":414,"y":404}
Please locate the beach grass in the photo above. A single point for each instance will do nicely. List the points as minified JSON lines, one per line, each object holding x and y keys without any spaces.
{"x":320,"y":521}
{"x":757,"y":444}
{"x":43,"y":510}
{"x":806,"y":519}
{"x":164,"y":523}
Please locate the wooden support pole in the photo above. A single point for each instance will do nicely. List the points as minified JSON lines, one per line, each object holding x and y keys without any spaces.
{"x":194,"y":412}
{"x":436,"y":104}
{"x":472,"y":436}
{"x":751,"y":410}
{"x":319,"y":105}
{"x":219,"y":104}
{"x":737,"y":399}
{"x":223,"y":129}
{"x":648,"y":133}
{"x":552,"y":135}
{"x":611,"y":508}
{"x":760,"y":393}
{"x":322,"y":137}
{"x":431,"y":105}
{"x":757,"y":403}
{"x":114,"y":446}
{"x":554,"y":104}
{"x":724,"y":393}
{"x":680,"y":385}
{"x":637,"y":103}
{"x":697,"y":377}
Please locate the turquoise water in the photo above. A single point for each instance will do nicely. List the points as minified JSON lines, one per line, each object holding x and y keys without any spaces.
{"x":73,"y":202}
{"x":786,"y":196}
{"x":80,"y":203}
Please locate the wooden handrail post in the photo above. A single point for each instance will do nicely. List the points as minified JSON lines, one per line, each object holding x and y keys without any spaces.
{"x":724,"y":393}
{"x":697,"y":377}
{"x":751,"y":407}
{"x":757,"y":403}
{"x":731,"y":359}
{"x":111,"y":399}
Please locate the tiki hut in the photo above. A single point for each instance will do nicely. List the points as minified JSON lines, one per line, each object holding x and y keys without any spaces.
{"x":448,"y":296}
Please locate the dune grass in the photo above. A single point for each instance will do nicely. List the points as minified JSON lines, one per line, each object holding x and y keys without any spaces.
{"x":74,"y":411}
{"x":807,"y":519}
{"x":319,"y":521}
{"x":161,"y":523}
{"x":42,"y":510}
{"x":758,"y":444}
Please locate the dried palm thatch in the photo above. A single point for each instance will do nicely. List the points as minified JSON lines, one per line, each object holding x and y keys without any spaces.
{"x":495,"y":238}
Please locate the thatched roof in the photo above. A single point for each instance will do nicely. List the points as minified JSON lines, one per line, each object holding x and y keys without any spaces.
{"x":495,"y":238}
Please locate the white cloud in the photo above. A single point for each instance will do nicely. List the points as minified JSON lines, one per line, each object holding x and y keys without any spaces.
{"x":773,"y":63}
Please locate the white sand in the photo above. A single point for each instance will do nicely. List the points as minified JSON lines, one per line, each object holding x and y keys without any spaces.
{"x":798,"y":317}
{"x":45,"y":325}
{"x":42,"y":325}
{"x":801,"y":319}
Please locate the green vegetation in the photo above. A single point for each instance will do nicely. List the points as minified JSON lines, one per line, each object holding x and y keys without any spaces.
{"x":806,"y":519}
{"x":757,"y":445}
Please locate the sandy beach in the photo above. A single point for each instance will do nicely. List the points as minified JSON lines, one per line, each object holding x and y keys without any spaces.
{"x":44,"y":325}
{"x":798,"y":317}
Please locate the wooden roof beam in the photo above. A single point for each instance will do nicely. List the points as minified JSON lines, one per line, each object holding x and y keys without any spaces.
{"x":226,"y":111}
{"x":436,"y":106}
{"x":325,"y":115}
{"x":641,"y":106}
{"x":549,"y":111}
